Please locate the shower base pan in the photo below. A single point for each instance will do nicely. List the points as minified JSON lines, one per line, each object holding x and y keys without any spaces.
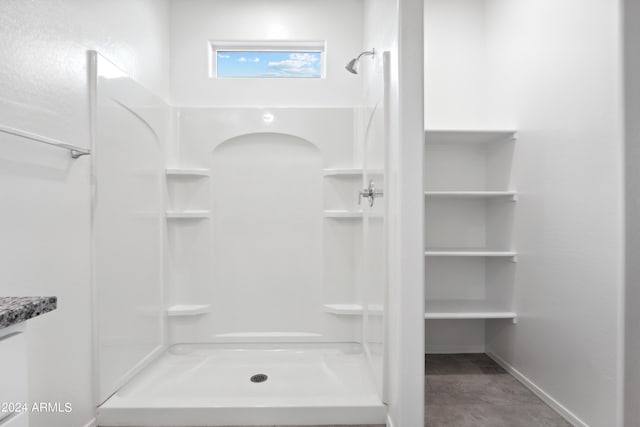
{"x":225,"y":384}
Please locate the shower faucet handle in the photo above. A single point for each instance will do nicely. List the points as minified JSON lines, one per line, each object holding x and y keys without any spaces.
{"x":370,"y":192}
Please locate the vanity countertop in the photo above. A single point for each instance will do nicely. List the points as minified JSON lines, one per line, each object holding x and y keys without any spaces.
{"x":15,"y":310}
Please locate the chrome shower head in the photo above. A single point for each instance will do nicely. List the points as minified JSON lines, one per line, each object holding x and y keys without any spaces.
{"x":352,"y":66}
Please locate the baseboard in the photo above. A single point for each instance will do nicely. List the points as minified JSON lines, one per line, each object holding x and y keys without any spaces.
{"x":453,"y":349}
{"x":554,"y":404}
{"x":390,"y":421}
{"x":92,"y":423}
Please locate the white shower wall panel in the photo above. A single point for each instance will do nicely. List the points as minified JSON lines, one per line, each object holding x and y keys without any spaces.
{"x":129,"y":133}
{"x":267,"y":260}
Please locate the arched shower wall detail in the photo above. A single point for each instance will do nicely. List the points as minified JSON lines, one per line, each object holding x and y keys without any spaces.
{"x":268,"y":262}
{"x":267,"y":238}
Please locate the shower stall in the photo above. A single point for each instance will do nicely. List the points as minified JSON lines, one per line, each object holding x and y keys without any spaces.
{"x":240,"y":267}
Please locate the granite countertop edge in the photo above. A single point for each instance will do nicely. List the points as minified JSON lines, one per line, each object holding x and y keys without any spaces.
{"x":14,"y":310}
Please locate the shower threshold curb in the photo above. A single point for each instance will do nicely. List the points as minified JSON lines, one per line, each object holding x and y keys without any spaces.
{"x":240,"y":416}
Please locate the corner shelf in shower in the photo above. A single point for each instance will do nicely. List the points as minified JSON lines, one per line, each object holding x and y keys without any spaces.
{"x":340,"y":213}
{"x":337,"y":172}
{"x":188,"y":214}
{"x":472,"y":194}
{"x":188,"y":310}
{"x":471,"y":253}
{"x":471,"y":136}
{"x":187,"y":172}
{"x":465,"y":309}
{"x":351,"y":309}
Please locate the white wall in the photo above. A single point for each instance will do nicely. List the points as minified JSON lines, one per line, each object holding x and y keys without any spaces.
{"x":455,"y":72}
{"x":45,"y":244}
{"x":405,"y":334}
{"x":632,"y":152}
{"x":555,"y":68}
{"x":194,"y":22}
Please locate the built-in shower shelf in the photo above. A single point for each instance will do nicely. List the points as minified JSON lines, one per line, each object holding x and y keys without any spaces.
{"x":189,"y":214}
{"x":187,"y":172}
{"x":472,"y":194}
{"x":351,"y":309}
{"x":465,"y":309}
{"x":342,"y":214}
{"x":188,"y":310}
{"x":350,"y":171}
{"x":338,"y":213}
{"x":471,"y":136}
{"x":470,"y":253}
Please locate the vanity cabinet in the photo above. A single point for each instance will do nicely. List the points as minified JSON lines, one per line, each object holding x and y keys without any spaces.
{"x":13,"y":372}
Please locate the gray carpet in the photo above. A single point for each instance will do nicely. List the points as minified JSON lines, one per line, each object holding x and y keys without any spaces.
{"x":471,"y":390}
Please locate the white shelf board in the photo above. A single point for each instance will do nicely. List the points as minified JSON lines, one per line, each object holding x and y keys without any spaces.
{"x":465,"y":309}
{"x":351,"y":309}
{"x":195,"y":172}
{"x":349,"y":171}
{"x":343,"y":309}
{"x":338,"y":213}
{"x":468,"y":252}
{"x":188,"y":310}
{"x":452,"y":252}
{"x":471,"y":194}
{"x":470,"y":136}
{"x":189,"y":214}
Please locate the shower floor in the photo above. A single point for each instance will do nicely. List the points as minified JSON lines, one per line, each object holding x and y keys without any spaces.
{"x":209,"y":384}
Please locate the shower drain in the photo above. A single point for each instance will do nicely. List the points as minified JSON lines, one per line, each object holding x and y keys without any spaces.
{"x":259,"y":378}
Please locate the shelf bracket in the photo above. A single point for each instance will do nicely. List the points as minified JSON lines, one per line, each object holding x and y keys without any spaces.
{"x":514,"y":321}
{"x":514,"y":259}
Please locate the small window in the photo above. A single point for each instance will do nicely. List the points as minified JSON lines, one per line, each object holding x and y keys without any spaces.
{"x":267,"y":60}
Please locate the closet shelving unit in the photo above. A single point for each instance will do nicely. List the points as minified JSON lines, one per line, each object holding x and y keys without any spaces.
{"x":467,"y":177}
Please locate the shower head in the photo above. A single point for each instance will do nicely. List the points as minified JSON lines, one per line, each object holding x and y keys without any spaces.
{"x":352,"y":66}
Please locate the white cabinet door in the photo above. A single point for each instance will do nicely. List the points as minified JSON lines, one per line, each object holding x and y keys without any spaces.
{"x":20,"y":420}
{"x":13,"y":371}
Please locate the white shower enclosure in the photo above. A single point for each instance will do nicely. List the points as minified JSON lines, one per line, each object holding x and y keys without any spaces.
{"x":239,"y":260}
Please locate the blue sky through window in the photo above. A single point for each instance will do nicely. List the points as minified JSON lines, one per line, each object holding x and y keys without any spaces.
{"x":267,"y":64}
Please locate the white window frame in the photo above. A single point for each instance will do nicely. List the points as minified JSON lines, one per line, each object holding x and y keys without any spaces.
{"x":315,"y":46}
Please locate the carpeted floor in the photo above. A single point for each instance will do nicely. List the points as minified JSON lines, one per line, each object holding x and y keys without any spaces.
{"x":471,"y":390}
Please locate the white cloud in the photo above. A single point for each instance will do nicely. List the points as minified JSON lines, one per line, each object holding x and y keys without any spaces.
{"x":221,"y":56}
{"x":298,"y":63}
{"x":242,"y":59}
{"x":307,"y":57}
{"x":254,"y":60}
